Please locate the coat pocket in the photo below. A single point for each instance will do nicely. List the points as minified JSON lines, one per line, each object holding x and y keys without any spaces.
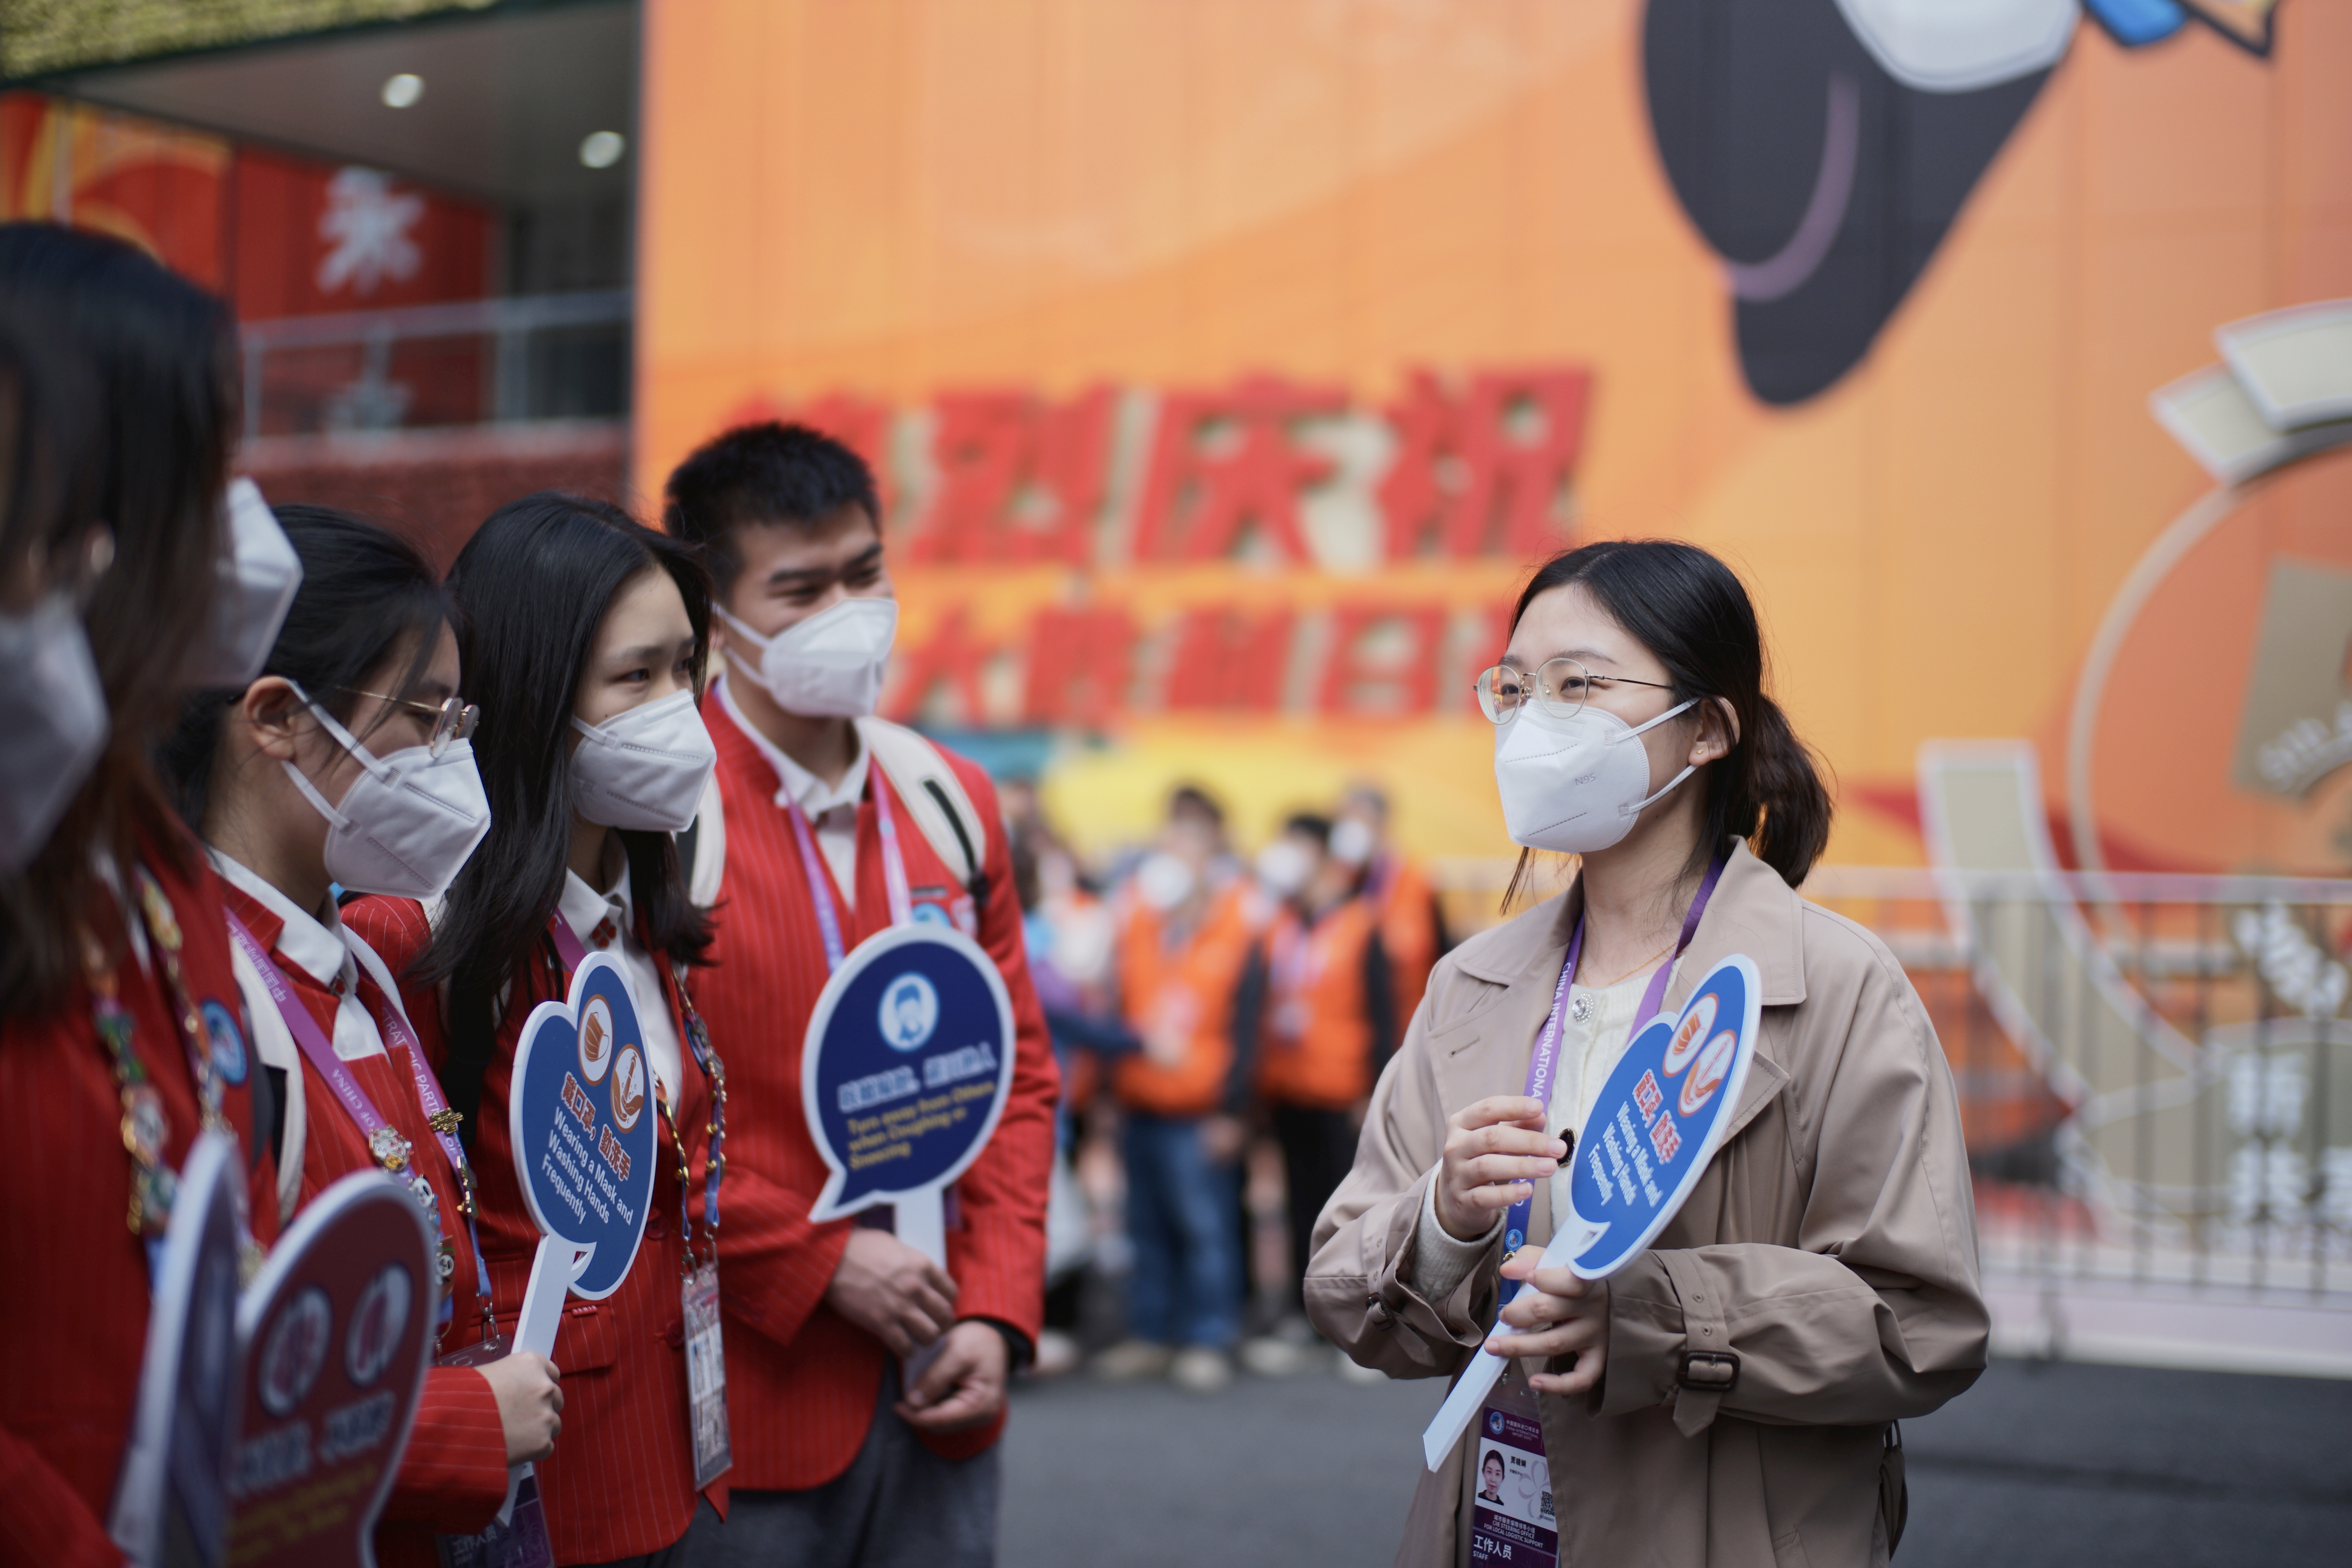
{"x":1789,"y":1551}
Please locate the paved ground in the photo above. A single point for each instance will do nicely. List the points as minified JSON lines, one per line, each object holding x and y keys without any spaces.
{"x":2039,"y":1464}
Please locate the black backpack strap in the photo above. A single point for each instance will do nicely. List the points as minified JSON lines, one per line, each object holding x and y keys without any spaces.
{"x":979,"y":883}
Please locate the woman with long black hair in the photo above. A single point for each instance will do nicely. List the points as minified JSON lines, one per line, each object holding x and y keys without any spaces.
{"x":122,"y":1034}
{"x":348,"y":765}
{"x":1728,"y":1396}
{"x":583,"y":635}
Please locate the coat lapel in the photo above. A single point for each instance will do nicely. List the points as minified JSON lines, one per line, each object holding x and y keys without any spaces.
{"x":1755,"y":913}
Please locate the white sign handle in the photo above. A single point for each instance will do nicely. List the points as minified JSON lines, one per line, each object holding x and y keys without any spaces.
{"x":921,"y":1220}
{"x":1462,"y":1406}
{"x":553,"y":1269}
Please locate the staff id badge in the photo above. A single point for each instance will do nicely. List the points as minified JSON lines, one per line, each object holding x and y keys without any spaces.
{"x":706,"y":1377}
{"x":520,"y":1543}
{"x":1511,"y":1518}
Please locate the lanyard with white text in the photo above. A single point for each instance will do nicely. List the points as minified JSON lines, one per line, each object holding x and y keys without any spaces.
{"x":1547,"y":1052}
{"x":385,"y":1142}
{"x":894,"y":873}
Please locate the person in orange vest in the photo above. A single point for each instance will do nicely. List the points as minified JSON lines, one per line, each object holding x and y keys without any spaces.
{"x":1184,"y":939}
{"x":1397,"y":887}
{"x":1320,"y":1005}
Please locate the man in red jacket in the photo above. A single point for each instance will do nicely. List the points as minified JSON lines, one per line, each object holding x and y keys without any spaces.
{"x":835,"y":1462}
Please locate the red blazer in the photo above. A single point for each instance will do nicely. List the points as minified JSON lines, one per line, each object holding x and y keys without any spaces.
{"x":74,"y":1316}
{"x":453,"y":1475}
{"x":620,"y":1483}
{"x":802,"y":1382}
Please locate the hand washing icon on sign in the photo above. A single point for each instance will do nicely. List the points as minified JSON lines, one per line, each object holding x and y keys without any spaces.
{"x":910,"y":1011}
{"x":628,"y":1088}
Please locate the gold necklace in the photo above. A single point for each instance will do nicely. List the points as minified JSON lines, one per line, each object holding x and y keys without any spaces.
{"x":1636,"y":969}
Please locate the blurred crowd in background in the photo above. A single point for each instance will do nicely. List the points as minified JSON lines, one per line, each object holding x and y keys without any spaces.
{"x":1220,"y":1012}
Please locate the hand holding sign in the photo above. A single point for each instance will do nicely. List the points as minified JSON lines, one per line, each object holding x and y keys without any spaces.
{"x":1653,"y":1129}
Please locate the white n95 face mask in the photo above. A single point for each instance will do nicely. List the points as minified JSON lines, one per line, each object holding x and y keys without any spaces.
{"x":258,"y":578}
{"x":828,"y":666}
{"x":1575,"y":785}
{"x":408,"y":822}
{"x":644,"y":769}
{"x":1283,"y":867}
{"x":1163,"y":881}
{"x":53,"y":713}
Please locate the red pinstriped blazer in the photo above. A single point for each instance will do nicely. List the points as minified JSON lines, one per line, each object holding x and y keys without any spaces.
{"x":453,"y":1475}
{"x":622,"y":1481}
{"x":74,"y":1316}
{"x":802,"y":1382}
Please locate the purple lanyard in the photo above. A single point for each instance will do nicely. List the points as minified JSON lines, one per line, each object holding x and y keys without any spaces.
{"x":320,"y":1053}
{"x":894,"y":872}
{"x":1546,"y":1055}
{"x":697,"y":1040}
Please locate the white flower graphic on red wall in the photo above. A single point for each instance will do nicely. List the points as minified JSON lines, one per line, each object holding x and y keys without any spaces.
{"x":367,"y":224}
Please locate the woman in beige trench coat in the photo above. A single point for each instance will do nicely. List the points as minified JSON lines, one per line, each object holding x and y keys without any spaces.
{"x":1727,"y":1399}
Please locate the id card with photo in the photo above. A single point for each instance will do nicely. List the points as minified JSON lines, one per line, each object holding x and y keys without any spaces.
{"x":706,"y":1378}
{"x":1511,"y":1518}
{"x":522,"y":1541}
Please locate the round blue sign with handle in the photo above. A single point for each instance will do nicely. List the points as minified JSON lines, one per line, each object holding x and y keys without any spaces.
{"x":907,"y":1066}
{"x":1655,"y":1122}
{"x":585,"y":1122}
{"x":1652,"y":1130}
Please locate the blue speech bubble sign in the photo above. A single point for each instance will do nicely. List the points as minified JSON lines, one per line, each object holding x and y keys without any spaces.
{"x":1653,"y":1129}
{"x":907,"y":1066}
{"x":1657,"y":1121}
{"x":584,"y":1123}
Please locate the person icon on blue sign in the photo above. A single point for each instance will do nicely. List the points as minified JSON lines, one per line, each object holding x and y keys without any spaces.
{"x":910,"y":1011}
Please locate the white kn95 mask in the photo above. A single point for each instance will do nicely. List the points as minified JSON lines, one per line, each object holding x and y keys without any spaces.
{"x":828,"y":666}
{"x":644,"y":769}
{"x":1575,"y":785}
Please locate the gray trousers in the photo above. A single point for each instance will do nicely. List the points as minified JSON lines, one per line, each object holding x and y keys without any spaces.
{"x":898,"y":1505}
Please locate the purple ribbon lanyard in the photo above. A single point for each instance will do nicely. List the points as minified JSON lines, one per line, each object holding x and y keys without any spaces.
{"x":438,"y":1116}
{"x":320,"y":1053}
{"x":894,"y":872}
{"x":1545,"y":1056}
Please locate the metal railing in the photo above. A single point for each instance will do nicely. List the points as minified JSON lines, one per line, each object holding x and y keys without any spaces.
{"x":2153,"y":1073}
{"x":466,"y":362}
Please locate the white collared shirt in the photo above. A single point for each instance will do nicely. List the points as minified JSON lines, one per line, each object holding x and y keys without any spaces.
{"x":832,"y":809}
{"x":322,"y":951}
{"x":607,"y":921}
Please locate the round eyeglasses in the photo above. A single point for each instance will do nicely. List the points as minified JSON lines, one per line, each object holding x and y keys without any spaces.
{"x":1559,"y":686}
{"x":453,"y":720}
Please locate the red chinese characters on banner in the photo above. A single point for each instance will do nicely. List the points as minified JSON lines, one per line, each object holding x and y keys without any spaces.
{"x":1226,"y":659}
{"x":1119,"y":488}
{"x":1486,"y":470}
{"x":1223,"y":462}
{"x":1080,"y":662}
{"x":1020,"y":480}
{"x":951,"y":656}
{"x":1383,"y":659}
